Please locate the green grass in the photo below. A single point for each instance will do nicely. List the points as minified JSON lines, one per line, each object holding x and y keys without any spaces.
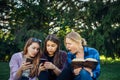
{"x":110,"y":70}
{"x":4,"y":70}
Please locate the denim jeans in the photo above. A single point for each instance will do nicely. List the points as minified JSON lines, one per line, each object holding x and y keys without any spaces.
{"x":84,"y":75}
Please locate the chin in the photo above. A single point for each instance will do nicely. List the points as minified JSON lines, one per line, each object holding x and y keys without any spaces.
{"x":32,"y":56}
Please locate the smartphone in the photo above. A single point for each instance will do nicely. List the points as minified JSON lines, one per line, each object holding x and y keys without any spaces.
{"x":29,"y":60}
{"x":43,"y":60}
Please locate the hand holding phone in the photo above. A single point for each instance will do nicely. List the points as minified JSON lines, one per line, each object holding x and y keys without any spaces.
{"x":43,"y":60}
{"x":29,"y":60}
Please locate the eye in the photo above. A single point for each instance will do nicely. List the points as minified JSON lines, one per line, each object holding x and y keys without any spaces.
{"x":33,"y":47}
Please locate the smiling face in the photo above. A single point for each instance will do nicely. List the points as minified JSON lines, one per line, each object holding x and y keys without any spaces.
{"x":71,"y":45}
{"x":51,"y":47}
{"x":33,"y":49}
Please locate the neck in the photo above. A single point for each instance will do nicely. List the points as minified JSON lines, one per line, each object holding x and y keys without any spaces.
{"x":50,"y":55}
{"x":27,"y":56}
{"x":80,"y":54}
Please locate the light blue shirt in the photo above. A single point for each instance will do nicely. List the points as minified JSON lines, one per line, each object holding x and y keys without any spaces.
{"x":89,"y":53}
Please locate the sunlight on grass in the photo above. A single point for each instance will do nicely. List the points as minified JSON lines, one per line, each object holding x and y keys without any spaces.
{"x":102,"y":57}
{"x":105,"y":60}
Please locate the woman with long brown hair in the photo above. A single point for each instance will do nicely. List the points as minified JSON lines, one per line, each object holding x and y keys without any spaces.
{"x":24,"y":65}
{"x":56,"y":59}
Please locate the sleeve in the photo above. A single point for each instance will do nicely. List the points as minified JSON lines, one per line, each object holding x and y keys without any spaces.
{"x":14,"y":65}
{"x":96,"y":71}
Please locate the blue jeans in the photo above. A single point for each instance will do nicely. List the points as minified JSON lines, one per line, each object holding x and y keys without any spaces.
{"x":83,"y":75}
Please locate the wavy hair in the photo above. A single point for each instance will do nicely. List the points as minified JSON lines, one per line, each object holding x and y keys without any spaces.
{"x":36,"y":59}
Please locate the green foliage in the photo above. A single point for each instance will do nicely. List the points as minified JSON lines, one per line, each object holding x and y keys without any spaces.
{"x":98,"y":21}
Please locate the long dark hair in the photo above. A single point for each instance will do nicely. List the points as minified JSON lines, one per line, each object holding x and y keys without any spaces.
{"x":58,"y":57}
{"x":36,"y":59}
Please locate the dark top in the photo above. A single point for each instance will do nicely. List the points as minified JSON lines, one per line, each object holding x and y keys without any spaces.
{"x":63,"y":58}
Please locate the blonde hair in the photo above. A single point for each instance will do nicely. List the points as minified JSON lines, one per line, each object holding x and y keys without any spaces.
{"x":75,"y":37}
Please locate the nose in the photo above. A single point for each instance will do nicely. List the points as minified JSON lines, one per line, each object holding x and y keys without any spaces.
{"x":67,"y":46}
{"x":50,"y":48}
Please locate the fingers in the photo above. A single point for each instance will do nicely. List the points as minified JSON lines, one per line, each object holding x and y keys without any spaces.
{"x":26,"y":65}
{"x":49,"y":65}
{"x":76,"y":71}
{"x":41,"y":67}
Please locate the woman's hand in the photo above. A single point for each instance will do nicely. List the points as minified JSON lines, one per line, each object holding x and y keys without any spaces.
{"x":49,"y":65}
{"x":77,"y":71}
{"x":41,"y":67}
{"x":26,"y":65}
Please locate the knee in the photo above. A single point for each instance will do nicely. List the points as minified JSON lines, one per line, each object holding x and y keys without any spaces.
{"x":83,"y":75}
{"x":83,"y":72}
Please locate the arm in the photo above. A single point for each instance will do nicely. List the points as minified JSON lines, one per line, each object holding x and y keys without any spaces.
{"x":49,"y":65}
{"x":15,"y":72}
{"x":96,"y":71}
{"x":56,"y":70}
{"x":16,"y":69}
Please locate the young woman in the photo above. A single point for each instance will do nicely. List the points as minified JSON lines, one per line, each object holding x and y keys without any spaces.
{"x":22,"y":70}
{"x":56,"y":59}
{"x":75,"y":44}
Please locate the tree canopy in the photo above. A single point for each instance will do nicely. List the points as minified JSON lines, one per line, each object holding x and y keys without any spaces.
{"x":98,"y":21}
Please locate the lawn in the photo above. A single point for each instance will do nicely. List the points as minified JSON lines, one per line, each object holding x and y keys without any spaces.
{"x":4,"y":70}
{"x":110,"y":70}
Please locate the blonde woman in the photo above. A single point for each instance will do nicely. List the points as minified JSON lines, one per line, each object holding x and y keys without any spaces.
{"x":77,"y":48}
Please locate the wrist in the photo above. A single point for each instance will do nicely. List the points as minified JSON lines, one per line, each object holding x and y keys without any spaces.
{"x":54,"y":68}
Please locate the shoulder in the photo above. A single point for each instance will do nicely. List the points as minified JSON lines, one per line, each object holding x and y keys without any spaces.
{"x":91,"y":50}
{"x":63,"y":53}
{"x":17,"y":55}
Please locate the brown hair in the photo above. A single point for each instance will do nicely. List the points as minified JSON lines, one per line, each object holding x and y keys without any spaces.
{"x":59,"y":56}
{"x":75,"y":37}
{"x":36,"y":59}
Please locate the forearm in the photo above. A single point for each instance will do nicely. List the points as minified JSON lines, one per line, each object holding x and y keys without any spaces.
{"x":56,"y":70}
{"x":18,"y":73}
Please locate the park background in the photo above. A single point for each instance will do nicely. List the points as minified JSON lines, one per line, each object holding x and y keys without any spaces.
{"x":98,"y":21}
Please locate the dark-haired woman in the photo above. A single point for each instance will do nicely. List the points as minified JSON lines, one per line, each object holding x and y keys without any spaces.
{"x":56,"y":59}
{"x":22,"y":70}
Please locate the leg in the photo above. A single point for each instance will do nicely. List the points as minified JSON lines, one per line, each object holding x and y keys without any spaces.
{"x":24,"y":78}
{"x":43,"y":75}
{"x":66,"y":74}
{"x":84,"y":75}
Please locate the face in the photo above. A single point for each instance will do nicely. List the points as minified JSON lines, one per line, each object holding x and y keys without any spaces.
{"x":33,"y":49}
{"x":51,"y":47}
{"x":71,"y":45}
